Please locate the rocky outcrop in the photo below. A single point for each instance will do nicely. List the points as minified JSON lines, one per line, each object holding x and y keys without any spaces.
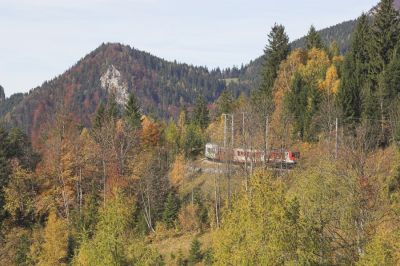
{"x":112,"y":82}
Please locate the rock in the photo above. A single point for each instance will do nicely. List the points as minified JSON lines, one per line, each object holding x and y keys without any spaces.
{"x":112,"y":82}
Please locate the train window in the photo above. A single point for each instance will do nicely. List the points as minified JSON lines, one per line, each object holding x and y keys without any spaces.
{"x":296,"y":154}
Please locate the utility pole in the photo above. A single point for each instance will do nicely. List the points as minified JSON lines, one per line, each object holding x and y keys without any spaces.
{"x":336,"y":137}
{"x":228,"y":152}
{"x":232,"y":142}
{"x":225,"y":129}
{"x":266,"y":140}
{"x":243,"y":124}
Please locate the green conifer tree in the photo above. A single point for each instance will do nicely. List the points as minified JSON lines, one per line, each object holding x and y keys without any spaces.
{"x":354,"y":73}
{"x":385,"y":31}
{"x":296,"y":102}
{"x":384,"y":36}
{"x":225,"y":103}
{"x":132,"y":113}
{"x":313,"y":39}
{"x":100,"y":117}
{"x":201,"y":114}
{"x":275,"y":52}
{"x":195,"y":254}
{"x":171,"y":210}
{"x":113,"y":110}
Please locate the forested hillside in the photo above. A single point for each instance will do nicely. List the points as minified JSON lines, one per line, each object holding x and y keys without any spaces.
{"x":162,"y":87}
{"x":132,"y":189}
{"x":249,"y":76}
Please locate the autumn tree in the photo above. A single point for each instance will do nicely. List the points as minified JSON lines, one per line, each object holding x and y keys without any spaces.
{"x":20,"y":195}
{"x":4,"y":177}
{"x":172,"y":136}
{"x":108,"y":246}
{"x":153,"y":186}
{"x":263,"y":228}
{"x":55,"y":245}
{"x":57,"y":167}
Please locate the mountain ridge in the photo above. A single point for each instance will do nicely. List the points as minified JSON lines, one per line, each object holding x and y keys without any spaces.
{"x":162,"y":86}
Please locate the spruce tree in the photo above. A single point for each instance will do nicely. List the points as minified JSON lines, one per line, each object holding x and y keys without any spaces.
{"x":313,"y":39}
{"x":296,"y":102}
{"x":132,"y":113}
{"x":384,"y":36}
{"x":383,"y":39}
{"x":171,"y":210}
{"x":391,"y":77}
{"x":113,"y":110}
{"x":354,"y":73}
{"x":201,"y":114}
{"x":100,"y":117}
{"x":195,"y":255}
{"x":225,"y":103}
{"x":275,"y":52}
{"x":391,"y":88}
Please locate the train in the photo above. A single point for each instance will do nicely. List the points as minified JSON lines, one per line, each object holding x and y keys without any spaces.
{"x":214,"y":152}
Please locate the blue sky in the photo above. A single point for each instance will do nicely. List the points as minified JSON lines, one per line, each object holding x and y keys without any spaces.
{"x":42,"y":38}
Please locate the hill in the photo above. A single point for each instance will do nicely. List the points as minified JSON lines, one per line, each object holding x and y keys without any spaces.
{"x":161,"y":86}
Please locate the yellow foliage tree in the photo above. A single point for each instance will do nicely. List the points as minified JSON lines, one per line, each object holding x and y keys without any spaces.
{"x":177,"y":173}
{"x":331,"y":83}
{"x":150,"y":133}
{"x":20,"y":194}
{"x":262,"y":228}
{"x":188,"y":218}
{"x":55,"y":246}
{"x":383,"y":249}
{"x":280,"y":128}
{"x":317,"y":64}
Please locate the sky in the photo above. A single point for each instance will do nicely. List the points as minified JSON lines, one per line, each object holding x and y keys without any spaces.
{"x":40,"y":39}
